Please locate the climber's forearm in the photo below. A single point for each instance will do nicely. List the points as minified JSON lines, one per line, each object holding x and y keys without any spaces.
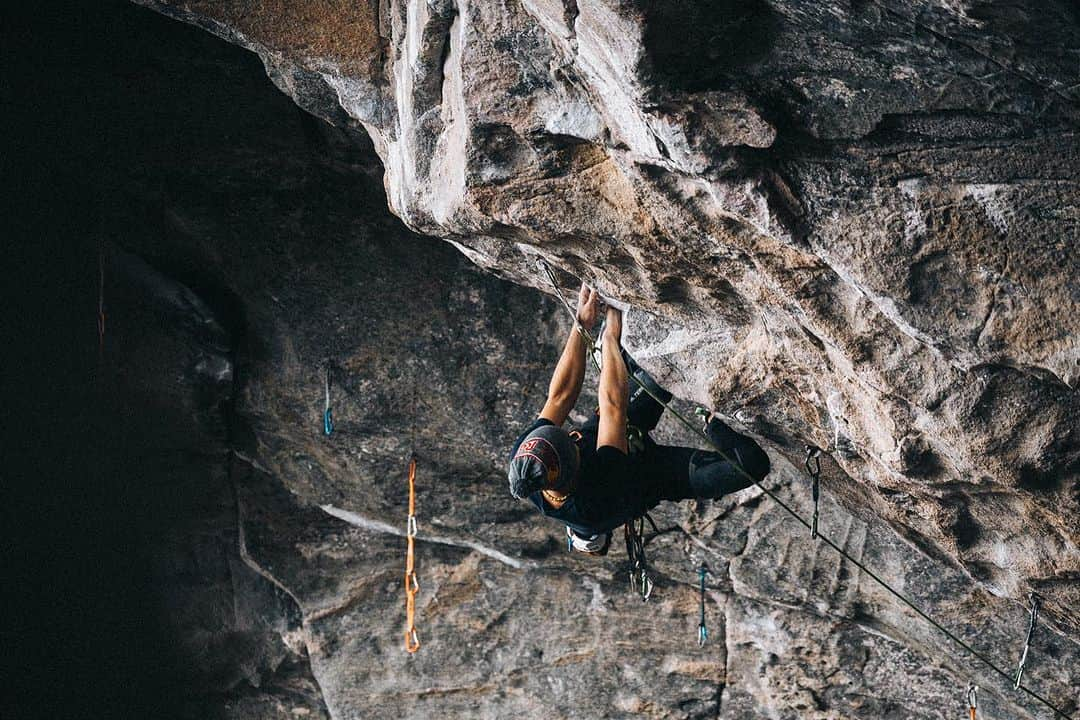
{"x":613,"y":392}
{"x":567,"y":379}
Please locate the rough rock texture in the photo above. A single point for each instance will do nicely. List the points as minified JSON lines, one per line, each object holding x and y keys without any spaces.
{"x":856,"y":223}
{"x":851,"y":224}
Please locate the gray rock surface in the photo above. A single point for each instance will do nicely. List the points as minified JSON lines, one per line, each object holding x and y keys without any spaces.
{"x":852,"y":224}
{"x":859,"y":219}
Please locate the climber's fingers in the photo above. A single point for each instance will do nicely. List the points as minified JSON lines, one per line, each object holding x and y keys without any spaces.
{"x":588,"y":307}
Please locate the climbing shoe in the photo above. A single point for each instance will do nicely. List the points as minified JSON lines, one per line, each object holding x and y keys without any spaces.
{"x":588,"y":544}
{"x":646,"y":381}
{"x":717,"y":430}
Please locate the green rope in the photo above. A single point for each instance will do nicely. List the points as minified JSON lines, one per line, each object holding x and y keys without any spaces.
{"x":776,"y":498}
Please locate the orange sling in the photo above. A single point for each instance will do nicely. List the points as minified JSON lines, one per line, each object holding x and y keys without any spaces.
{"x":412,"y":586}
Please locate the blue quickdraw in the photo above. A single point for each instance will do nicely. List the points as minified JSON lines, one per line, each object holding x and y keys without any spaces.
{"x":702,"y":631}
{"x":328,"y":418}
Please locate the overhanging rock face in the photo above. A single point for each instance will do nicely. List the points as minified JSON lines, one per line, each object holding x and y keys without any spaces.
{"x":850,"y":224}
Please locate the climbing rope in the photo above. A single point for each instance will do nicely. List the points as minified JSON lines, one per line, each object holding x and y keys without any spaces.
{"x":972,"y":700}
{"x":1033,"y":617}
{"x":640,"y":582}
{"x":702,"y":631}
{"x":589,"y":339}
{"x":813,"y":468}
{"x":546,"y":268}
{"x":327,"y":417}
{"x":412,"y":585}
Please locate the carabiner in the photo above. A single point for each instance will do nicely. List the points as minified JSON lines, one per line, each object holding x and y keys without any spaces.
{"x":813,"y":468}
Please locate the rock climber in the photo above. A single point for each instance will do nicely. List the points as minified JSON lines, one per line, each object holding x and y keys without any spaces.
{"x":609,"y":471}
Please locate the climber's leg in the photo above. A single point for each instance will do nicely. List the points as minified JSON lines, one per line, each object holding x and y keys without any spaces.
{"x":681,"y":473}
{"x":741,"y":448}
{"x":644,"y":410}
{"x":711,"y":475}
{"x":665,"y":469}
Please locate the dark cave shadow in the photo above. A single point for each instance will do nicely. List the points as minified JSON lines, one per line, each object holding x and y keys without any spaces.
{"x":696,"y":46}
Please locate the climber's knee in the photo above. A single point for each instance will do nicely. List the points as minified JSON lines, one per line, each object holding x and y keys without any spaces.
{"x":711,"y":476}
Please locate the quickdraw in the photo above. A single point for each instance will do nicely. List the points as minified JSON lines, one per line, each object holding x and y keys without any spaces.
{"x":412,"y":585}
{"x":1032,"y":618}
{"x":813,"y":468}
{"x":705,"y":415}
{"x":972,"y":700}
{"x":640,"y":582}
{"x":328,"y":418}
{"x":702,"y":631}
{"x":589,"y":339}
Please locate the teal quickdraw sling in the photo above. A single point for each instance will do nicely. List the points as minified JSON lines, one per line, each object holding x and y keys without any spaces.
{"x":702,"y":631}
{"x":328,"y":417}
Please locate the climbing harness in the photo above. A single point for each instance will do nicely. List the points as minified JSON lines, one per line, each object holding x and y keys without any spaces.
{"x":702,"y":631}
{"x":412,"y":585}
{"x":327,"y":417}
{"x":972,"y":700}
{"x":1034,"y":599}
{"x":813,"y":467}
{"x":546,"y":268}
{"x":640,"y":582}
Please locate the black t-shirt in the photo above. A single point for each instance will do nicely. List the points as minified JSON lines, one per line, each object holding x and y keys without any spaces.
{"x":607,"y":493}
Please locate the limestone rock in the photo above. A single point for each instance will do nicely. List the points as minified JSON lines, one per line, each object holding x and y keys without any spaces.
{"x":859,"y":220}
{"x":850,"y":224}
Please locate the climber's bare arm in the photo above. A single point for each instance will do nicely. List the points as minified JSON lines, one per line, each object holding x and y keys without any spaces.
{"x":614,"y":390}
{"x":570,"y":372}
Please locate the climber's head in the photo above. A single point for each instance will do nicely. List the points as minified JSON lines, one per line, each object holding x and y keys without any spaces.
{"x":547,"y":459}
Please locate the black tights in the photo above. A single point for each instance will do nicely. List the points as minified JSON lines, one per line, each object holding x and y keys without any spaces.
{"x":682,"y":473}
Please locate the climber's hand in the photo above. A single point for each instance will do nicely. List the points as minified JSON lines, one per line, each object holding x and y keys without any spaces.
{"x":613,"y":326}
{"x":588,"y":306}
